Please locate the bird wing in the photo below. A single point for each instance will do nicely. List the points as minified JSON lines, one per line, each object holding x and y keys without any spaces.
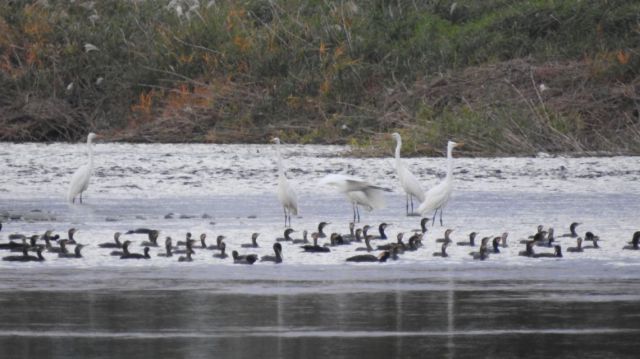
{"x":287,"y":196}
{"x":79,"y":181}
{"x":409,"y":182}
{"x":436,"y":197}
{"x":370,"y":198}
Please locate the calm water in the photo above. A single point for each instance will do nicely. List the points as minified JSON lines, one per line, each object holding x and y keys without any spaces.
{"x":452,"y":313}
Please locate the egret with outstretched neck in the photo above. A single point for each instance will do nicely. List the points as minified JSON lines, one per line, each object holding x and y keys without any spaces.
{"x":408,"y":181}
{"x":358,"y":191}
{"x":438,"y":196}
{"x":80,"y":179}
{"x":286,"y":194}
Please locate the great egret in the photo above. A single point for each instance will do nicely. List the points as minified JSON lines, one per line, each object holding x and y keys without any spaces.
{"x":408,"y":181}
{"x":80,"y":179}
{"x":437,"y":197}
{"x":358,"y":191}
{"x":286,"y":194}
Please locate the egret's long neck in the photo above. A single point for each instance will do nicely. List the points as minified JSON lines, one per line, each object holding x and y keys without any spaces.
{"x":398,"y":146}
{"x":279,"y":159}
{"x":449,"y":162}
{"x":90,"y":147}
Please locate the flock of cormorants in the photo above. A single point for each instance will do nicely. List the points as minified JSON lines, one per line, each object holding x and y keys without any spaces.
{"x":186,"y":249}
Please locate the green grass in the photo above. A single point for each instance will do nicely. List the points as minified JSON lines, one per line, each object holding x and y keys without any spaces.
{"x":305,"y":69}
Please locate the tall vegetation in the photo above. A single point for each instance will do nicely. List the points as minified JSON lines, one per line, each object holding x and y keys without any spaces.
{"x":505,"y":76}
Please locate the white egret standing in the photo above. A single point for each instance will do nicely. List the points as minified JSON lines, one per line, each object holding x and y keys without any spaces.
{"x":80,"y":179}
{"x":286,"y":194}
{"x":437,"y":197}
{"x":408,"y":181}
{"x":358,"y":191}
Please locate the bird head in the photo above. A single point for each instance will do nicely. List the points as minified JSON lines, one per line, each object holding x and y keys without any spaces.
{"x":452,"y":144}
{"x":276,"y":140}
{"x":395,"y":136}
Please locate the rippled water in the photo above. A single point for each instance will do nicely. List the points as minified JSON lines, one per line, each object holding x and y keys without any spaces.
{"x":313,"y":305}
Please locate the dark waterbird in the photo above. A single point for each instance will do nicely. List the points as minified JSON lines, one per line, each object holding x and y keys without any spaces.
{"x":337,"y":240}
{"x":557,"y":253}
{"x":315,"y":248}
{"x":187,"y":240}
{"x":70,"y":234}
{"x":504,"y":237}
{"x":415,"y":242}
{"x":137,"y":255}
{"x":188,"y":247}
{"x":483,"y":253}
{"x":153,"y":239}
{"x":399,"y":244}
{"x":423,"y":224}
{"x":495,"y":245}
{"x":577,"y":248}
{"x":222,"y":255}
{"x":17,"y":237}
{"x":76,"y":252}
{"x":321,"y":226}
{"x":471,"y":242}
{"x":243,"y":259}
{"x":277,"y":258}
{"x":254,"y":241}
{"x":381,"y":230}
{"x":203,"y":241}
{"x":367,"y":243}
{"x":528,"y":252}
{"x":287,"y":235}
{"x":447,"y":236}
{"x":25,"y":257}
{"x":140,"y":231}
{"x":12,"y":245}
{"x":635,"y":241}
{"x":443,"y":250}
{"x":589,"y":236}
{"x":115,"y":244}
{"x":304,"y":239}
{"x":47,"y":235}
{"x":17,"y":247}
{"x":186,"y":258}
{"x":370,"y":257}
{"x":219,"y":240}
{"x":352,"y":235}
{"x":168,"y":247}
{"x":124,"y":251}
{"x":31,"y":245}
{"x":572,"y":230}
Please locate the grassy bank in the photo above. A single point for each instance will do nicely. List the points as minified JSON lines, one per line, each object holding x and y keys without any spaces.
{"x":505,"y":77}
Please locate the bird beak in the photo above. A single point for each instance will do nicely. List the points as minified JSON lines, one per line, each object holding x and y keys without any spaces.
{"x":459,"y":144}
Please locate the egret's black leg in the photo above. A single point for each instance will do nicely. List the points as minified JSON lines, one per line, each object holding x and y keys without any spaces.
{"x":80,"y":197}
{"x":285,"y":216}
{"x":440,"y":217}
{"x":358,"y":212}
{"x":407,"y":203}
{"x":411,"y":197}
{"x":353,"y":206}
{"x":433,"y":220}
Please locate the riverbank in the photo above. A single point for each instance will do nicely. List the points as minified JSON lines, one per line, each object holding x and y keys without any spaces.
{"x":505,"y":78}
